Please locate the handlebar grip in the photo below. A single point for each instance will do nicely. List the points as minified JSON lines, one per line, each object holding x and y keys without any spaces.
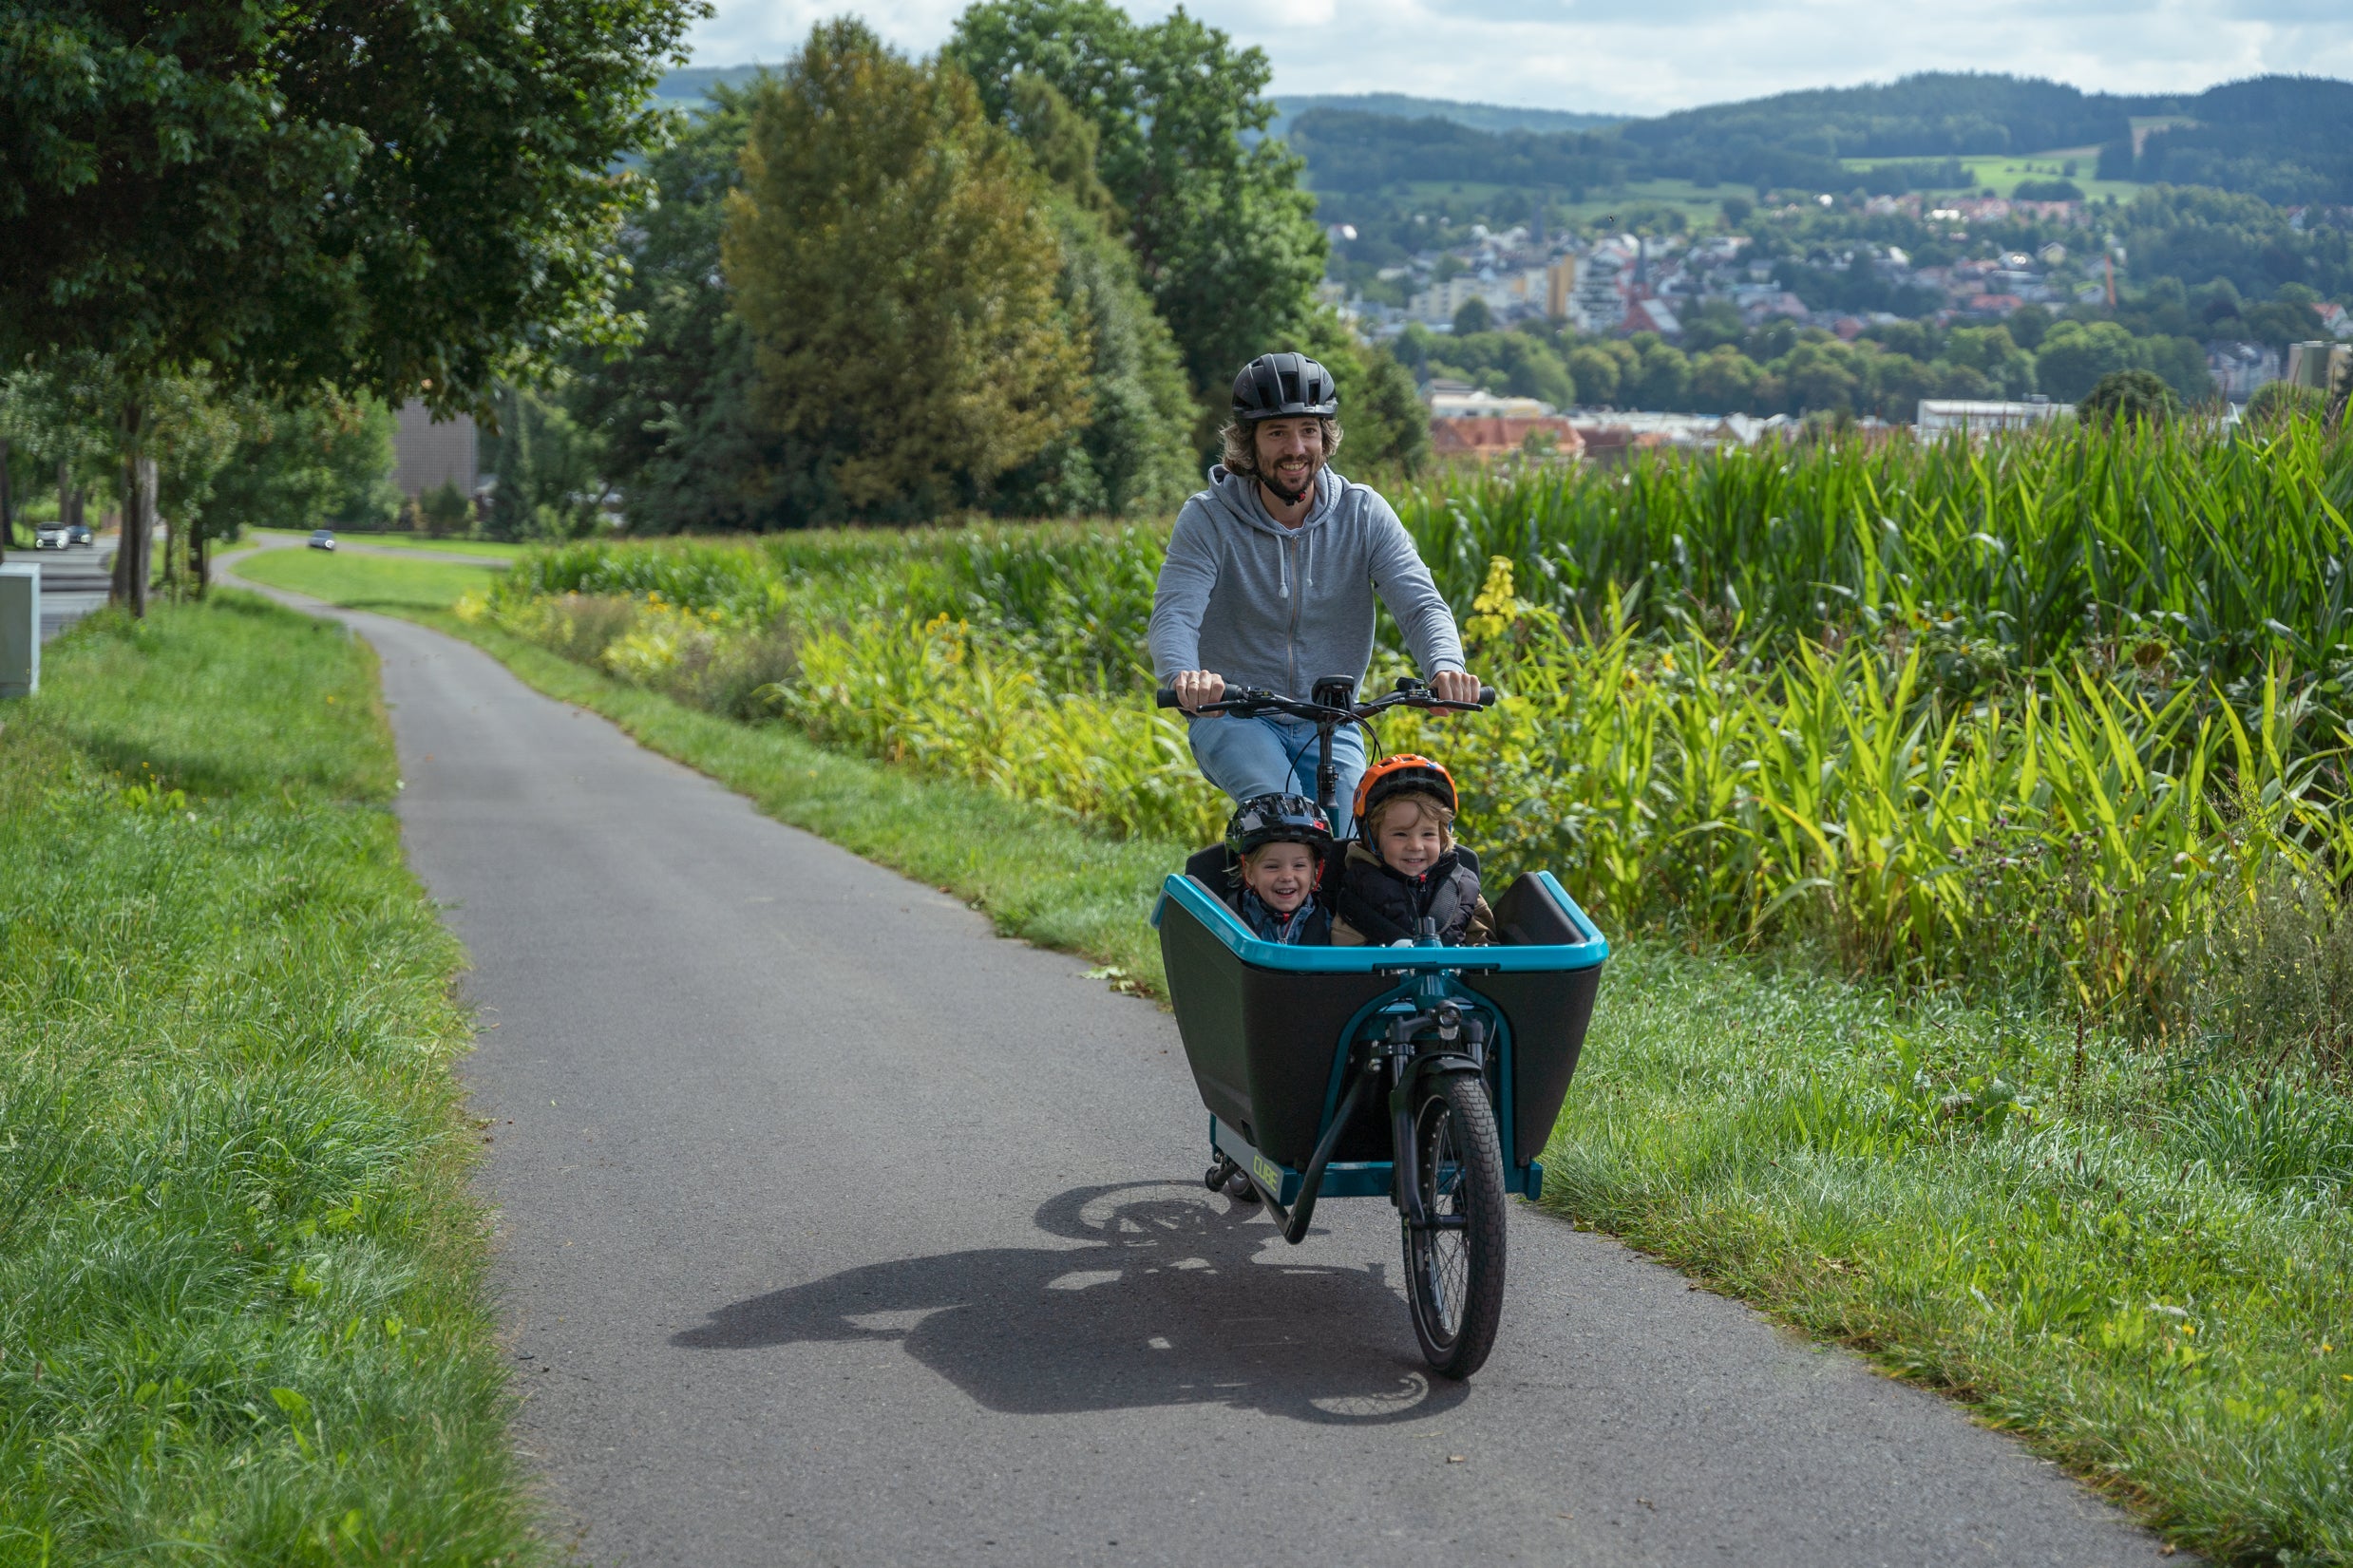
{"x":1488,"y":695}
{"x":1165,"y":697}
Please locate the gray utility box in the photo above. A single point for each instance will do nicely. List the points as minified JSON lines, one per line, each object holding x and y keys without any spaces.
{"x":20,"y":629}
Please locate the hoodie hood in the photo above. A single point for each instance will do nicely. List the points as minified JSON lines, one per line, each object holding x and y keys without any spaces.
{"x":1238,"y":496}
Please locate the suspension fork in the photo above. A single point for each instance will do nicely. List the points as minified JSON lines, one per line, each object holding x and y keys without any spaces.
{"x":1460,"y":1046}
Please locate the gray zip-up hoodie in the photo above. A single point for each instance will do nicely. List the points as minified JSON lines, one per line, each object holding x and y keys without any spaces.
{"x":1266,"y":605}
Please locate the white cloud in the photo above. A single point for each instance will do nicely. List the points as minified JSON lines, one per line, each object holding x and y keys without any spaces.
{"x":1644,"y":56}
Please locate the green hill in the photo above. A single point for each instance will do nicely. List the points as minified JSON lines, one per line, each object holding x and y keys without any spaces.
{"x":2287,"y":138}
{"x":1398,"y":105}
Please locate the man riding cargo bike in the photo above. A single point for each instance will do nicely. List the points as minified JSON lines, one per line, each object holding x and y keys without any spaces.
{"x":1269,"y":582}
{"x":1402,"y":1065}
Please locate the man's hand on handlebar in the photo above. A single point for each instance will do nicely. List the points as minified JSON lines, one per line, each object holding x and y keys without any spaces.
{"x":1196,"y":687}
{"x":1454,"y":686}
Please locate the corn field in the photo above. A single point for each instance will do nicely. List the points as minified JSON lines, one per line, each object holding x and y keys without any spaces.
{"x":2050,"y":710}
{"x":2223,"y":555}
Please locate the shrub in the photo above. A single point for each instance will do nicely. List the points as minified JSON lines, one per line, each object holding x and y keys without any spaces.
{"x":2128,"y":397}
{"x":2278,"y":402}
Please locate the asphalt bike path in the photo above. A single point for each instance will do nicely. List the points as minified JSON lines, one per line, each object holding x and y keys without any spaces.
{"x":835,"y":1229}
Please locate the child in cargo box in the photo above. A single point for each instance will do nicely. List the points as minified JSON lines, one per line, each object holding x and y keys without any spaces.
{"x":1403,"y":867}
{"x":1277,"y":846}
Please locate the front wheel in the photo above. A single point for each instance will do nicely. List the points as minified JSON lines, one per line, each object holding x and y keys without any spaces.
{"x":1454,"y":1271}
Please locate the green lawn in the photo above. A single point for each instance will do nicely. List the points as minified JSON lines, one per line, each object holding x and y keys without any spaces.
{"x":367,"y":582}
{"x":1699,"y":204}
{"x":2003,"y":173}
{"x":242,"y":1317}
{"x":487,"y":549}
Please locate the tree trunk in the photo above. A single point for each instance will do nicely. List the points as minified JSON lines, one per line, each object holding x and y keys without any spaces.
{"x":147,"y":476}
{"x":200,"y":563}
{"x":7,"y":503}
{"x":131,"y":557}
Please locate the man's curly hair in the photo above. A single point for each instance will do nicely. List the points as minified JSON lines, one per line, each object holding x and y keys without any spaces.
{"x":1240,"y":454}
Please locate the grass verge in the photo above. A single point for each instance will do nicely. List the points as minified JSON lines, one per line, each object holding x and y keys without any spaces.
{"x":242,"y":1306}
{"x":493,"y":550}
{"x":2154,"y":1297}
{"x":367,"y":583}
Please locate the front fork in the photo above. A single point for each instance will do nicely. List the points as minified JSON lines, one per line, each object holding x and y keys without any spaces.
{"x":1441,"y":1035}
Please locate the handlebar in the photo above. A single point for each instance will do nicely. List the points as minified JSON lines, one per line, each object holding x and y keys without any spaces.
{"x":1248,"y":700}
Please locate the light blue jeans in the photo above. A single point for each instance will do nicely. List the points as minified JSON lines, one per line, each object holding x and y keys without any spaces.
{"x":1275,"y":754}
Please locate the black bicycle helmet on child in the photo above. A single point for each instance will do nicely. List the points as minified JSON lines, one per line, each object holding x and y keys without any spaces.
{"x":1285,"y":386}
{"x":1265,"y":819}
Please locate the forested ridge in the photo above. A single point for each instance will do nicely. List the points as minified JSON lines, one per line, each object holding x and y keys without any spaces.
{"x":2288,"y":139}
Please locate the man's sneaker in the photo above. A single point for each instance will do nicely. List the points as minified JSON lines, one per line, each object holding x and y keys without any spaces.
{"x":1238,"y":1188}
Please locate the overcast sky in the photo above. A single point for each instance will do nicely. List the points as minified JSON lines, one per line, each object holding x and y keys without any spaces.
{"x":1642,"y":56}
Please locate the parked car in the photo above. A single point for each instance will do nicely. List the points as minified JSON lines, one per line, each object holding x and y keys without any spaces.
{"x":79,"y":533}
{"x":50,"y":536}
{"x":322,"y":539}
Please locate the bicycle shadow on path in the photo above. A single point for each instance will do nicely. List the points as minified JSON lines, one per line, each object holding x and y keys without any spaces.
{"x":1170,"y":1304}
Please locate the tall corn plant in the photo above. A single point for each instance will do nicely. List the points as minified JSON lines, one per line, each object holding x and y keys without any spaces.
{"x":2236,"y":550}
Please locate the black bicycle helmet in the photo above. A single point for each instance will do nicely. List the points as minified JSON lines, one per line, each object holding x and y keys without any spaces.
{"x":1283,"y":387}
{"x":1265,"y":819}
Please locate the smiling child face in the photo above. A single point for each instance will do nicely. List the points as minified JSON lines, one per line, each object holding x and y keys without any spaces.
{"x":1410,"y":836}
{"x":1281,"y":875}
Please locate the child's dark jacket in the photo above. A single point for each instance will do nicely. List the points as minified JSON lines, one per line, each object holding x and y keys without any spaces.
{"x":1374,"y":905}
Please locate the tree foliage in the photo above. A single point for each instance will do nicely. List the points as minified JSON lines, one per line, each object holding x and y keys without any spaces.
{"x":889,"y":251}
{"x":326,"y":460}
{"x":683,"y":441}
{"x":2128,"y":397}
{"x":546,"y":468}
{"x":1132,"y":454}
{"x":1226,"y":241}
{"x":401,"y":199}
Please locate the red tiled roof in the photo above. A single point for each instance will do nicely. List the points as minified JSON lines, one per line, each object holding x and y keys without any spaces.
{"x":1492,"y":436}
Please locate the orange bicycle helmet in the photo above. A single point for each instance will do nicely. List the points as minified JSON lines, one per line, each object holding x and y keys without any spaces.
{"x":1395,"y":776}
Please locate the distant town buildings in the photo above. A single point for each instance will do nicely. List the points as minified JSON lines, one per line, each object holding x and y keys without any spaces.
{"x":1450,"y":400}
{"x":1939,"y":416}
{"x":1480,"y":438}
{"x":1625,"y":284}
{"x":428,"y":453}
{"x":1596,"y":302}
{"x":2238,"y":369}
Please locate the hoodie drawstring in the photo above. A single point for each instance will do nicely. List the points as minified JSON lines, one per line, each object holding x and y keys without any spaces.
{"x":1282,"y":563}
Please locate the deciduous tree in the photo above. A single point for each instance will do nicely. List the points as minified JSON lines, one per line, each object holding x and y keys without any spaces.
{"x":325,"y":459}
{"x":1226,"y":240}
{"x":890,"y":252}
{"x":405,"y":199}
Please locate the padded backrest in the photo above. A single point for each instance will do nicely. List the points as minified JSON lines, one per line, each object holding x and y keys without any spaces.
{"x":1212,"y":868}
{"x":1528,"y":916}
